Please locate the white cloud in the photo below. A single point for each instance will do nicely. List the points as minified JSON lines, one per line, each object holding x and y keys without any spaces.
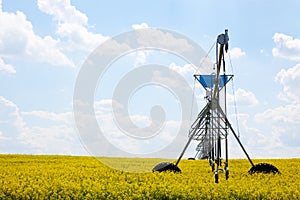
{"x":282,"y":114}
{"x":7,"y":67}
{"x":207,"y":66}
{"x":105,"y":105}
{"x":140,"y":57}
{"x":164,"y":40}
{"x":72,"y":25}
{"x":11,"y":125}
{"x":57,"y":139}
{"x":18,"y":40}
{"x":47,"y":133}
{"x":169,"y":81}
{"x":236,"y":53}
{"x":65,"y":118}
{"x":186,"y":70}
{"x":140,"y":26}
{"x":290,"y":80}
{"x":134,"y":140}
{"x":10,"y":115}
{"x":286,"y":47}
{"x":264,"y":52}
{"x":282,"y":122}
{"x":62,"y":10}
{"x":284,"y":125}
{"x":251,"y":135}
{"x":265,"y":137}
{"x":243,"y":98}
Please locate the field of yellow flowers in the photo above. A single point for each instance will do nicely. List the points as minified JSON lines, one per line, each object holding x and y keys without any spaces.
{"x":74,"y":177}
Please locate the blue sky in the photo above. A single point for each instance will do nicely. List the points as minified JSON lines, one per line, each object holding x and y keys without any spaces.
{"x":44,"y":44}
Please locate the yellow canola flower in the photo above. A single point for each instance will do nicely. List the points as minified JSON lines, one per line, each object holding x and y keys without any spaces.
{"x":73,"y":177}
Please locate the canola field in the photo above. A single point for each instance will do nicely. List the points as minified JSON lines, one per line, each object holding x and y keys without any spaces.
{"x":73,"y":177}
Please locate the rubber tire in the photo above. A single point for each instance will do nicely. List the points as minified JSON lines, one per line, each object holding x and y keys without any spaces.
{"x":264,"y":168}
{"x":166,"y":166}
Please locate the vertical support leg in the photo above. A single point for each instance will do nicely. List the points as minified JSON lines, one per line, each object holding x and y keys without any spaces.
{"x":226,"y":155}
{"x":217,"y":176}
{"x":219,"y":151}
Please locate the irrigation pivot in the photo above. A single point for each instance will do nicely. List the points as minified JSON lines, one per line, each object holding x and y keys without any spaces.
{"x":211,"y":127}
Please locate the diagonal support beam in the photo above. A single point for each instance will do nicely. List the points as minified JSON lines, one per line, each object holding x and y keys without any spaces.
{"x":233,"y":132}
{"x":201,"y":116}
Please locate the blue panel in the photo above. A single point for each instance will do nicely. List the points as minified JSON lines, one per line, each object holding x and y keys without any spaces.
{"x":207,"y":81}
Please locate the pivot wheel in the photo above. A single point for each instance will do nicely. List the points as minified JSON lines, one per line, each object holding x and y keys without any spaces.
{"x":264,"y":168}
{"x":166,"y":166}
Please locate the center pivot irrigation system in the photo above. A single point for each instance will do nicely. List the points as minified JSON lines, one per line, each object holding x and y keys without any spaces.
{"x":211,"y":128}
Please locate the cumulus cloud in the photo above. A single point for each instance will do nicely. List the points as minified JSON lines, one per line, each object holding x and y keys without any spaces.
{"x":164,"y":40}
{"x":18,"y":40}
{"x":63,"y":11}
{"x":40,"y":132}
{"x":7,"y":67}
{"x":65,"y":118}
{"x":284,"y":125}
{"x":140,"y":26}
{"x":11,"y":125}
{"x":282,"y":114}
{"x":286,"y":47}
{"x":251,"y":135}
{"x":140,"y":57}
{"x":116,"y":130}
{"x":283,"y":121}
{"x":72,"y":25}
{"x":243,"y":98}
{"x":236,"y":53}
{"x":290,"y":80}
{"x":186,"y":71}
{"x":269,"y":134}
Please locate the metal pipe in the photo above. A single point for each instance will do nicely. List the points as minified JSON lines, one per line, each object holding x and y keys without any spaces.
{"x":221,"y":54}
